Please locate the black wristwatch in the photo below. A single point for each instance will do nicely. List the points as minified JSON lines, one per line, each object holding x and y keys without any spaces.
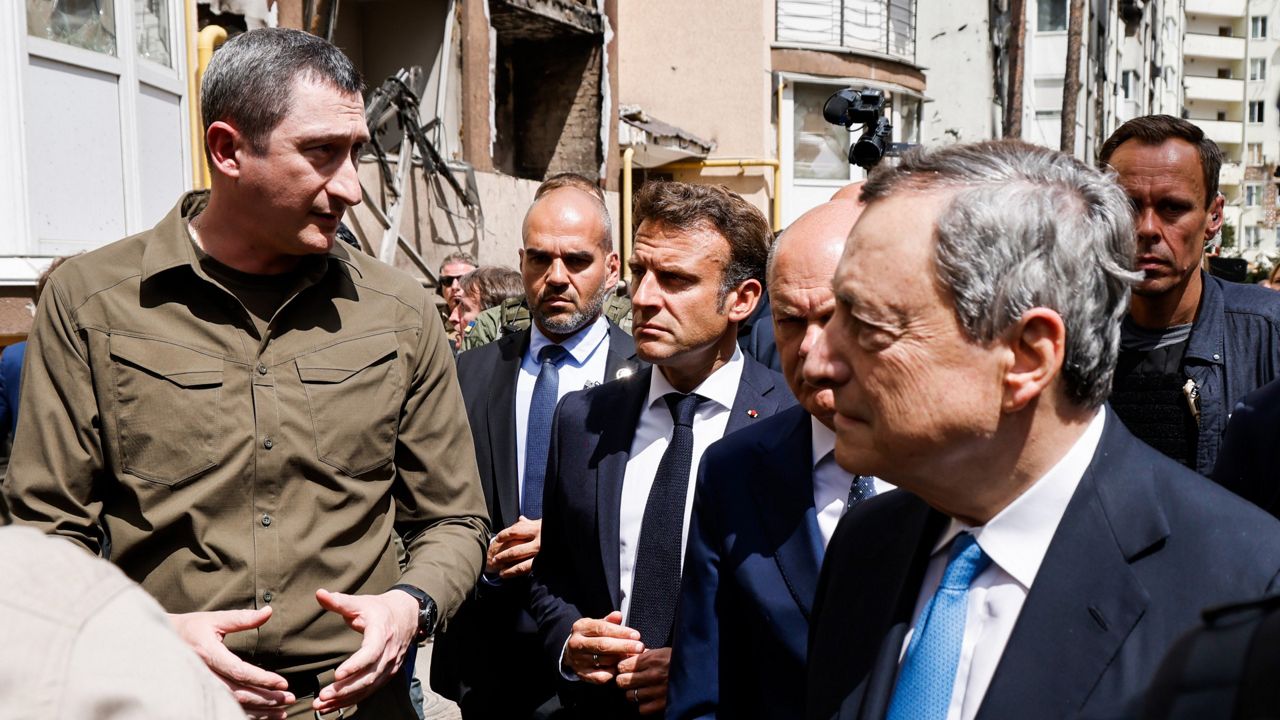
{"x":426,"y":611}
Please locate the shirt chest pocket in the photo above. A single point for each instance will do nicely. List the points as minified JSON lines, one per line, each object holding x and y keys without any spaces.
{"x":166,"y":408}
{"x":354,"y":393}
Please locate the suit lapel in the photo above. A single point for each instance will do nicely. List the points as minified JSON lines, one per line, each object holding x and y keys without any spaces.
{"x":757,"y":395}
{"x":501,"y":420}
{"x":613,"y":450}
{"x":621,"y":360}
{"x":1085,"y":596}
{"x":784,"y":497}
{"x":899,"y":554}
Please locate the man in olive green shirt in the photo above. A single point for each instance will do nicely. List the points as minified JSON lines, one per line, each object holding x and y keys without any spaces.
{"x":245,"y":413}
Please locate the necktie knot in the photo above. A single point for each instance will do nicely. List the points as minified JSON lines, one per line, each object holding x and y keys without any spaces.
{"x":683,"y":407}
{"x":552,"y":353}
{"x":966,"y":562}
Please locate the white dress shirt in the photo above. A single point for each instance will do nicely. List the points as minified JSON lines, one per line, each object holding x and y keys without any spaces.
{"x":831,"y":482}
{"x":653,"y":434}
{"x":1016,"y":540}
{"x":588,"y":354}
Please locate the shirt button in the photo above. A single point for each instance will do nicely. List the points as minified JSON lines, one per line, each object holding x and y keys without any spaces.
{"x":1216,"y":356}
{"x":266,"y":596}
{"x":262,"y":369}
{"x":266,"y":521}
{"x":267,"y":443}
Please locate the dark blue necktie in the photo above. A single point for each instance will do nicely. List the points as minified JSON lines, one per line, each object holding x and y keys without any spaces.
{"x":862,"y":488}
{"x":655,"y":584}
{"x":928,"y":674}
{"x":537,"y":437}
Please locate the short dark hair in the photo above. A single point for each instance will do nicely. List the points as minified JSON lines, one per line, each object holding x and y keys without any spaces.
{"x":493,"y":284}
{"x":685,"y":206}
{"x":250,"y":79}
{"x":1159,"y":129}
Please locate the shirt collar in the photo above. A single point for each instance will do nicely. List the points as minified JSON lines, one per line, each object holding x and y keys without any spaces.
{"x":824,"y":440}
{"x":170,"y":245}
{"x":1018,"y":537}
{"x":580,"y":345}
{"x":721,"y":387}
{"x":1208,"y":330}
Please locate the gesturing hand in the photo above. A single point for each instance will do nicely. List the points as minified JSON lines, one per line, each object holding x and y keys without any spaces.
{"x":643,"y":678}
{"x":595,"y":647}
{"x":388,"y":622}
{"x":261,"y":694}
{"x":512,"y":551}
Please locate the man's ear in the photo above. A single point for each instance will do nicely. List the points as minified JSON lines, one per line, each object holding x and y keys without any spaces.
{"x":1037,"y":346}
{"x":614,"y":267}
{"x":1215,"y":217}
{"x":742,"y":301}
{"x":224,"y":144}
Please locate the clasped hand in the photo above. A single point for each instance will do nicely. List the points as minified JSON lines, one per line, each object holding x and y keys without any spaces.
{"x":387,"y":622}
{"x":600,"y":651}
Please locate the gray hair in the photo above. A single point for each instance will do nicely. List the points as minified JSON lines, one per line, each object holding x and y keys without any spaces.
{"x":249,"y":83}
{"x":1029,"y":227}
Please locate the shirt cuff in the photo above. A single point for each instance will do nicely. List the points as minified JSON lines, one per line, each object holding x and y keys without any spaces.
{"x":567,"y":675}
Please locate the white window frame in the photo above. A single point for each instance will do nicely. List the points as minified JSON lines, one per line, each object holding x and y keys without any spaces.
{"x":1252,"y":195}
{"x":1252,"y":236}
{"x":1257,"y":69}
{"x":129,"y":69}
{"x":1260,"y":116}
{"x":1253,"y":153}
{"x":1256,"y":22}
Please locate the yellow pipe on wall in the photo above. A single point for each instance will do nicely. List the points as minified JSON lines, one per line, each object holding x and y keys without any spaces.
{"x":210,"y":38}
{"x":193,"y":96}
{"x":628,"y":157}
{"x":741,"y":163}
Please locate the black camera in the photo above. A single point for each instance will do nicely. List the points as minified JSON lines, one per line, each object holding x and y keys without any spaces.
{"x":864,"y":107}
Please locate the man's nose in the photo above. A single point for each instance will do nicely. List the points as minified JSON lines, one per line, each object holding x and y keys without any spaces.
{"x":345,"y":183}
{"x":823,"y":367}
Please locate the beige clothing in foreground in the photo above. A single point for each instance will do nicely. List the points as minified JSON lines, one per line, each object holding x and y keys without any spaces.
{"x":233,"y":471}
{"x":79,"y":641}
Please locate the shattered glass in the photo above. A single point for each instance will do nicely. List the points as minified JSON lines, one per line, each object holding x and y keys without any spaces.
{"x":151,"y":24}
{"x":88,"y":24}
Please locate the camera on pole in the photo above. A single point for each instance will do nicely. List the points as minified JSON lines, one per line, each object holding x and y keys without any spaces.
{"x":864,"y":106}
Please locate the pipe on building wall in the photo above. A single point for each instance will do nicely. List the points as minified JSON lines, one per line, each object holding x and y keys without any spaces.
{"x":742,"y":163}
{"x":210,"y":39}
{"x":193,"y":96}
{"x":628,"y":156}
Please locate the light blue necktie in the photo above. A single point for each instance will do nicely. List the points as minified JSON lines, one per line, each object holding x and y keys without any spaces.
{"x":537,"y":438}
{"x":928,"y":673}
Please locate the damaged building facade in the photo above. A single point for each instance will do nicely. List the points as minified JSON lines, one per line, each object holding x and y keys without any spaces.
{"x":101,"y":106}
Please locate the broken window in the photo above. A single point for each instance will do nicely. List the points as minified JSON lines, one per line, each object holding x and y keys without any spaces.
{"x":88,"y":24}
{"x":549,"y":67}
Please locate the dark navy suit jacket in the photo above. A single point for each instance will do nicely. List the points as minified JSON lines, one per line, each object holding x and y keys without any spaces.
{"x":1143,"y":547}
{"x":750,"y":575}
{"x":576,"y":573}
{"x":1249,"y":463}
{"x":463,"y":655}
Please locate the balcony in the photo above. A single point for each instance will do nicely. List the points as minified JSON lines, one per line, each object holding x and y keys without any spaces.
{"x":881,"y":27}
{"x":1215,"y":89}
{"x":1223,"y":132}
{"x":1231,"y":175}
{"x":1221,"y":8}
{"x":1213,"y":46}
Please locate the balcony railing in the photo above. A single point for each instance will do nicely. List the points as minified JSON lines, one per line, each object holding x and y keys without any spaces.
{"x":886,"y":27}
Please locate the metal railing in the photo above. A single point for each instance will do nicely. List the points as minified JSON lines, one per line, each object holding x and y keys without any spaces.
{"x":886,"y":27}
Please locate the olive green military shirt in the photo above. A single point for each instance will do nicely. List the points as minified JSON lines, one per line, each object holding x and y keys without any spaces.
{"x":231,"y":471}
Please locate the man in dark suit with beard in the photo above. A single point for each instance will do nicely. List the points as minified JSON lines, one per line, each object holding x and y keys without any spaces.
{"x":510,"y":388}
